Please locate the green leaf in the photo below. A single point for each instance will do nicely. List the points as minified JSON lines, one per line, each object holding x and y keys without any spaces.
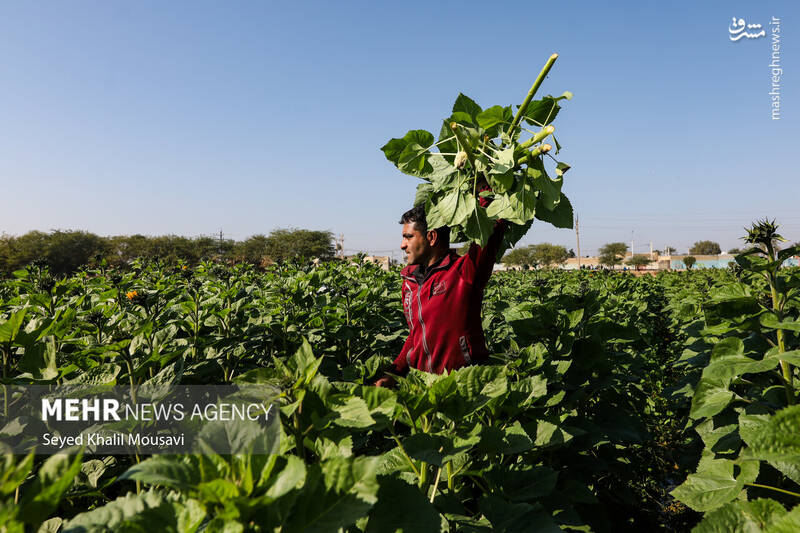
{"x":719,"y":482}
{"x":410,"y":154}
{"x":14,"y":472}
{"x":769,"y":320}
{"x":292,"y":476}
{"x":516,"y":517}
{"x":479,"y":225}
{"x":549,"y":190}
{"x":561,"y":216}
{"x":507,"y":441}
{"x":779,"y":438}
{"x":523,"y":484}
{"x":10,"y":328}
{"x":53,"y":479}
{"x":148,"y":511}
{"x":465,"y":104}
{"x":337,"y":492}
{"x":452,"y":210}
{"x":493,"y":117}
{"x":352,"y":413}
{"x":40,"y":359}
{"x":543,"y":112}
{"x":162,"y":470}
{"x":753,"y":516}
{"x":549,"y":434}
{"x":423,"y":193}
{"x":52,"y":525}
{"x":402,"y":507}
{"x":710,"y":397}
{"x":788,"y":523}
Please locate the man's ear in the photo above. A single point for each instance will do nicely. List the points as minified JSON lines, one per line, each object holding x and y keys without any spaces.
{"x":433,"y":237}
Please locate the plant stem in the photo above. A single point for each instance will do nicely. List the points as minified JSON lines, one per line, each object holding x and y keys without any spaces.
{"x":785,"y":368}
{"x":534,"y":88}
{"x":527,"y":158}
{"x":547,"y":130}
{"x":450,"y":475}
{"x":410,"y":461}
{"x":436,"y":483}
{"x":776,"y":489}
{"x":463,"y":142}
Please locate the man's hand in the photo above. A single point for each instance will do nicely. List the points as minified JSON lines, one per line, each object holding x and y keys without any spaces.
{"x":385,"y":381}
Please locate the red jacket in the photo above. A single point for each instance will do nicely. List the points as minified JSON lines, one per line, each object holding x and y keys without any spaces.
{"x":443,"y":309}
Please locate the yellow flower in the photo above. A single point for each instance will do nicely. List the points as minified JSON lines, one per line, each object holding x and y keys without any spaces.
{"x":131,"y":295}
{"x":183,"y":267}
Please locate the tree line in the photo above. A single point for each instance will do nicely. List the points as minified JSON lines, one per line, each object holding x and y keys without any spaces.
{"x":550,"y":255}
{"x":64,"y":251}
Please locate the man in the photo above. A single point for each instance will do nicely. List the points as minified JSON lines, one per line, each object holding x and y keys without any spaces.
{"x":442,"y":296}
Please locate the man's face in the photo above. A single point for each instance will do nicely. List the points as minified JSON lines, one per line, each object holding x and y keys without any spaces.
{"x":415,"y":244}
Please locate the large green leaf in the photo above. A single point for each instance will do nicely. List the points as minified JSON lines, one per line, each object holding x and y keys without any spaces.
{"x":757,"y":515}
{"x":719,"y":482}
{"x":402,"y":507}
{"x":148,"y":511}
{"x":10,"y":328}
{"x":337,"y":492}
{"x":523,"y":484}
{"x":479,"y":225}
{"x":452,"y":210}
{"x":778,"y":439}
{"x":549,"y":190}
{"x":561,"y":216}
{"x":465,"y":104}
{"x":517,"y":517}
{"x":181,"y":474}
{"x":53,"y":479}
{"x":710,"y":397}
{"x":494,"y":119}
{"x":543,"y":112}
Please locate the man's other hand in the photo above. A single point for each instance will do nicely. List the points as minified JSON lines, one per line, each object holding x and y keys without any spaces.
{"x":385,"y":381}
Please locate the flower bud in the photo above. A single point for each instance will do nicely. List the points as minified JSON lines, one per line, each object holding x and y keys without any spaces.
{"x":461,"y":160}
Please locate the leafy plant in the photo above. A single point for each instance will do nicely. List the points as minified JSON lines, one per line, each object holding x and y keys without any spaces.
{"x":744,"y":406}
{"x":479,"y":146}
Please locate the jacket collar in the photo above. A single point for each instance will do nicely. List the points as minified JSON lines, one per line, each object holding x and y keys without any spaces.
{"x":419,"y":274}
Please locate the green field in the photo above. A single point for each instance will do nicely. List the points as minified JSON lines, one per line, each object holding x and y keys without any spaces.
{"x":611,"y":402}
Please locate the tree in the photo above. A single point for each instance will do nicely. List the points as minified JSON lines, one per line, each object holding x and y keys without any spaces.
{"x":520,"y":256}
{"x":638,"y":261}
{"x":689,"y":261}
{"x":63,"y":251}
{"x":300,"y":244}
{"x":612,"y":253}
{"x":252,"y":250}
{"x":548,"y":254}
{"x":669,"y":250}
{"x":705,"y":248}
{"x":734,"y":251}
{"x":571,"y":253}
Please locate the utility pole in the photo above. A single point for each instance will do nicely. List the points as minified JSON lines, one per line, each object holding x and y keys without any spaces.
{"x":219,"y":248}
{"x":651,"y":250}
{"x":631,"y":244}
{"x":578,"y":238}
{"x":341,"y":245}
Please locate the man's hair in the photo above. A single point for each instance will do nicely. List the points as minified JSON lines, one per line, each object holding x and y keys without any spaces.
{"x":417,"y":216}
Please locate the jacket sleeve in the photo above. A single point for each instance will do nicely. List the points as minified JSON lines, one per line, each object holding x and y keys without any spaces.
{"x":400,"y":365}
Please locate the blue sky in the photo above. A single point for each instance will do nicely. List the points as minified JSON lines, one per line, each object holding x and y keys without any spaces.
{"x":195,"y":117}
